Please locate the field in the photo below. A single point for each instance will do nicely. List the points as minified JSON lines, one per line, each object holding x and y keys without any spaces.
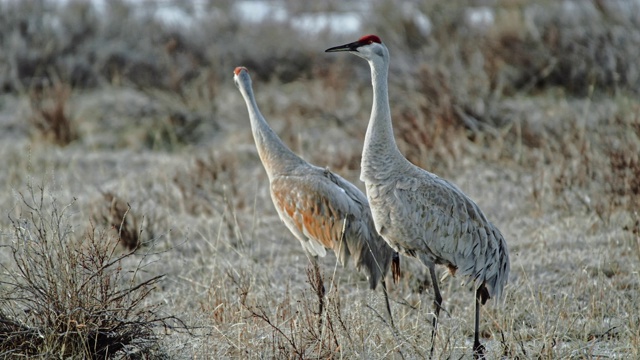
{"x":136,"y":220}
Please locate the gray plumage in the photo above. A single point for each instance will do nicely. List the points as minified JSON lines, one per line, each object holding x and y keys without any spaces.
{"x":320,"y":208}
{"x":425,"y":216}
{"x":418,"y":213}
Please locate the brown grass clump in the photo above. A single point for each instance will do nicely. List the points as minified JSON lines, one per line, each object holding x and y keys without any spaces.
{"x":211,"y":177}
{"x":625,"y":175}
{"x":67,"y":297}
{"x":116,"y":214}
{"x":430,"y":131}
{"x":623,"y":153}
{"x":50,"y":118}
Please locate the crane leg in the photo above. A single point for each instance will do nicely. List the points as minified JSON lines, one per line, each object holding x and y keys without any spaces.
{"x":393,"y":326}
{"x":317,"y":284}
{"x":437,"y":304}
{"x":386,"y":299}
{"x":478,"y":349}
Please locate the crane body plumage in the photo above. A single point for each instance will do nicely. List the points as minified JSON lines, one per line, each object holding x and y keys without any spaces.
{"x":320,"y":208}
{"x":424,"y":216}
{"x":418,"y":213}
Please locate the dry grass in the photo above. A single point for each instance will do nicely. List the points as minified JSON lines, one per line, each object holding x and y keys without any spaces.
{"x":536,"y":118}
{"x":50,"y":117}
{"x":67,"y":296}
{"x":115,"y":213}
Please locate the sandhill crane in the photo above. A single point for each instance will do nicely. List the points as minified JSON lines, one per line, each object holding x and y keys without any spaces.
{"x":321,"y":209}
{"x":418,"y":213}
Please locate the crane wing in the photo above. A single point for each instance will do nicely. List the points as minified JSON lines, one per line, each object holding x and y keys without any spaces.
{"x":315,"y":207}
{"x":324,"y":210}
{"x":361,"y":241}
{"x":450,"y":226}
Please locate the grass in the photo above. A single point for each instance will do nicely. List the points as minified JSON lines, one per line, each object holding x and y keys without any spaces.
{"x":153,"y":235}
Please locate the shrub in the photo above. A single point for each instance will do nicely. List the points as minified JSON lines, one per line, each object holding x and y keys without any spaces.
{"x":74,"y":297}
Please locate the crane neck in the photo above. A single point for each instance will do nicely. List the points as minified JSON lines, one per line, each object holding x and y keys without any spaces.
{"x":380,"y":155}
{"x":276,"y":157}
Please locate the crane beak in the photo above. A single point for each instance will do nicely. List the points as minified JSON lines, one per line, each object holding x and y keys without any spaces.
{"x":346,"y":47}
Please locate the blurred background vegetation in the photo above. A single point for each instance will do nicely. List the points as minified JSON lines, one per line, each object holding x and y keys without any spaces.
{"x":515,"y":46}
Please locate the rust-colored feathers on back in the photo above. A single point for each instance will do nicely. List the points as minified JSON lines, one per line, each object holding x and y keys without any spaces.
{"x":325,"y":211}
{"x":308,"y":209}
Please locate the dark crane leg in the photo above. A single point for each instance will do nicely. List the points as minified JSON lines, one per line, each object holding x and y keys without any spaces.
{"x":317,"y":284}
{"x":393,"y":326}
{"x":482,"y":294}
{"x":437,"y":303}
{"x":386,"y":299}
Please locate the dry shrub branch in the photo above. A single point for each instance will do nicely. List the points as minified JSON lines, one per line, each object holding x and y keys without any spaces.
{"x":74,"y":297}
{"x":312,"y":327}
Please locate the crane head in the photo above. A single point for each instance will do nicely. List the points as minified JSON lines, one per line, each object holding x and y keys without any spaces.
{"x":239,"y":72}
{"x":366,"y":47}
{"x":239,"y":69}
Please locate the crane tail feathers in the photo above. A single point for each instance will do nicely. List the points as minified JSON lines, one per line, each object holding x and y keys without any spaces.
{"x":314,"y":248}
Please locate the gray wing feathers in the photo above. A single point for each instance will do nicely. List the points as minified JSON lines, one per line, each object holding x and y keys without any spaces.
{"x":454,"y":230}
{"x":361,"y":241}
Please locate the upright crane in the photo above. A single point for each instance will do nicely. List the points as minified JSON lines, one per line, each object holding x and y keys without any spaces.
{"x":420,"y":214}
{"x":321,"y":209}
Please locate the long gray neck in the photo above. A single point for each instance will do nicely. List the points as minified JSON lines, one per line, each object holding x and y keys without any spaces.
{"x":380,"y":155}
{"x":274,"y":154}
